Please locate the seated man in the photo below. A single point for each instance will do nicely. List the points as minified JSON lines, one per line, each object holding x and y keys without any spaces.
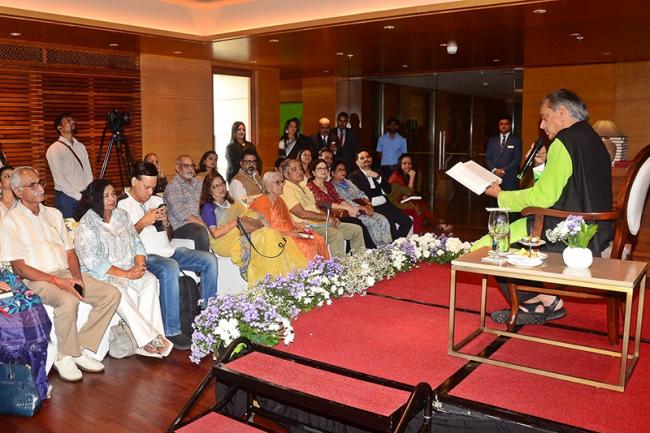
{"x":302,"y":205}
{"x":182,"y":199}
{"x":36,"y":242}
{"x":577,"y":177}
{"x":377,"y":190}
{"x":163,"y":260}
{"x":247,"y":181}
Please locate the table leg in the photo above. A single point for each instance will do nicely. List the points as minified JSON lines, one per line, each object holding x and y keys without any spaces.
{"x":514,"y":306}
{"x":639,"y":317}
{"x":452,"y":310}
{"x":626,"y":336}
{"x":483,"y":300}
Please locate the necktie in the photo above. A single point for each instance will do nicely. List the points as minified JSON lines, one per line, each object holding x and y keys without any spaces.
{"x":503,"y":141}
{"x":341,"y":136}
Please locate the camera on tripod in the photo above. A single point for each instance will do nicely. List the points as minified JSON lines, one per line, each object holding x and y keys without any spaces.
{"x":116,"y":120}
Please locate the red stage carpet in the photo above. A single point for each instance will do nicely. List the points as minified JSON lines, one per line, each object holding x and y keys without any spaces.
{"x":407,"y":342}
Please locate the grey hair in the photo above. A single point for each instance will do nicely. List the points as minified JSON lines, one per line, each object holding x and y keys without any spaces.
{"x":285,"y":165}
{"x":571,"y":101}
{"x":268,"y":177}
{"x":15,"y":178}
{"x":178,"y":160}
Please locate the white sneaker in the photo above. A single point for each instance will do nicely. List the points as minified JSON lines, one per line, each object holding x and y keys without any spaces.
{"x":67,"y":369}
{"x":88,"y":364}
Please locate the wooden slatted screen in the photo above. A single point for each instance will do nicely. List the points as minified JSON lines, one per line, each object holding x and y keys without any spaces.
{"x":30,"y":100}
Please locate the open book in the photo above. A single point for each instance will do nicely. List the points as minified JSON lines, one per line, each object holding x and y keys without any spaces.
{"x":473,"y":176}
{"x":407,"y":199}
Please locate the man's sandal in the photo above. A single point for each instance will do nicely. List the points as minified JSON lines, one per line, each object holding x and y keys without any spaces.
{"x":525,"y":316}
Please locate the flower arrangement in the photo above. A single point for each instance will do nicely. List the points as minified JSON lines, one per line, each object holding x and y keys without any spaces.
{"x":573,"y":231}
{"x":264,"y":313}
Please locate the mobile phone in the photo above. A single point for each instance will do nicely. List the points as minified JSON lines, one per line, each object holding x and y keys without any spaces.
{"x":161,"y":205}
{"x":79,"y":289}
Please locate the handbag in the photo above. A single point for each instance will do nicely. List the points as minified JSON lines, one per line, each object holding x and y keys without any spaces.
{"x":121,"y":342}
{"x":18,"y":393}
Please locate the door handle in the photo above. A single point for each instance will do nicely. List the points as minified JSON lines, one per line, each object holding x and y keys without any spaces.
{"x":444,"y":150}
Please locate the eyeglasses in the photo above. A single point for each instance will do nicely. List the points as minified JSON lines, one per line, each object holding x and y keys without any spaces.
{"x":249,"y":161}
{"x":34,"y":185}
{"x":321,"y":168}
{"x":188,"y":166}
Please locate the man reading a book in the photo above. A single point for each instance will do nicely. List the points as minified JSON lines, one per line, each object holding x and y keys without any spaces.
{"x":576,"y":177}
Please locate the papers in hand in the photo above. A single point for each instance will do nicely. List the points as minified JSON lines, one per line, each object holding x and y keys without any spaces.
{"x":413,"y":197}
{"x":473,"y":176}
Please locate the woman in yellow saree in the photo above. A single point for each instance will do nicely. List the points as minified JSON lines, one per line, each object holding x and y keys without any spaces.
{"x":234,"y":229}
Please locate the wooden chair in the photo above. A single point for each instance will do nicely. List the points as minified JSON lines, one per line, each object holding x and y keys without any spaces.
{"x":626,"y":216}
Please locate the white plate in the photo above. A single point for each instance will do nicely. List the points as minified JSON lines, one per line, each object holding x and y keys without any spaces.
{"x":524,"y":262}
{"x":515,"y":252}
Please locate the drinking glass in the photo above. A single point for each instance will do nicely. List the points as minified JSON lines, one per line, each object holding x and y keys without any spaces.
{"x":499,"y":229}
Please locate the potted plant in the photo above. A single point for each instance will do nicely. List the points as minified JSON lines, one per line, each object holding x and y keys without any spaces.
{"x":576,"y":234}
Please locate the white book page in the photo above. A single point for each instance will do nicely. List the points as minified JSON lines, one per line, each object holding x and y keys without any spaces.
{"x":413,"y":197}
{"x":471,"y":177}
{"x":483,"y":172}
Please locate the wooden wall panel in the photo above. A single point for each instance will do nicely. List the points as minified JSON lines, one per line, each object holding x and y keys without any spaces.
{"x":319,"y":100}
{"x":632,"y":109}
{"x":291,"y":90}
{"x":266,"y":115}
{"x":176,"y":108}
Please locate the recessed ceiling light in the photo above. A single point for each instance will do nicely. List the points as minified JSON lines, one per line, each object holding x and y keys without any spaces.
{"x":274,"y":41}
{"x":113,"y":44}
{"x":405,"y":66}
{"x":606,"y":53}
{"x":496,"y":60}
{"x":15,"y":34}
{"x":443,"y":45}
{"x":327,"y":71}
{"x":389,"y":27}
{"x":350,"y":56}
{"x":574,"y":35}
{"x":580,"y":37}
{"x":485,"y":84}
{"x":539,"y":11}
{"x":254,"y":62}
{"x":340,"y":53}
{"x":177,"y":52}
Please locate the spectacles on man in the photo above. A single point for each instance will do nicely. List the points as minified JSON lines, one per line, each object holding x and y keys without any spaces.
{"x":34,"y":185}
{"x":249,"y":161}
{"x":188,"y":166}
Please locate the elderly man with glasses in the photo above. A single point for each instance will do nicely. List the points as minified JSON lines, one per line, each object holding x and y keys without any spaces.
{"x":246,"y":184}
{"x":182,"y":199}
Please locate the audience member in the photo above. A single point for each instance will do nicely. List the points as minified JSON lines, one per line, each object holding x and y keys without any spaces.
{"x":247,"y":183}
{"x":161,"y":182}
{"x":326,"y":195}
{"x":503,"y":155}
{"x":324,"y":138}
{"x":207,"y":165}
{"x":110,"y":250}
{"x":305,"y":157}
{"x":292,"y":141}
{"x":402,"y":183}
{"x":8,"y":199}
{"x":376,"y":188}
{"x":328,"y":156}
{"x":390,"y":146}
{"x":182,"y":199}
{"x":149,"y":217}
{"x":69,"y":165}
{"x":302,"y":205}
{"x":376,"y":223}
{"x":235,"y":148}
{"x":276,"y":214}
{"x":348,"y":140}
{"x":36,"y":243}
{"x":238,"y":233}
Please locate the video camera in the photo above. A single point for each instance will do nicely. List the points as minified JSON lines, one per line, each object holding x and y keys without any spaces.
{"x":116,"y":120}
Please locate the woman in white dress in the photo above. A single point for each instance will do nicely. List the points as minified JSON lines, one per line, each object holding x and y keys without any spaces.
{"x":8,"y":199}
{"x":110,"y":250}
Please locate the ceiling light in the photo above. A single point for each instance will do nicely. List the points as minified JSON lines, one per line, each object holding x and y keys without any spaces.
{"x":485,"y":84}
{"x":15,"y":34}
{"x":580,"y":37}
{"x":452,"y":47}
{"x":443,"y":45}
{"x":575,"y":35}
{"x":539,"y":11}
{"x":606,"y":53}
{"x":177,"y":52}
{"x":254,"y":62}
{"x":340,"y":53}
{"x":274,"y":41}
{"x":326,"y":71}
{"x":350,"y":56}
{"x":113,"y":44}
{"x":496,"y":60}
{"x":405,"y":66}
{"x":389,"y":27}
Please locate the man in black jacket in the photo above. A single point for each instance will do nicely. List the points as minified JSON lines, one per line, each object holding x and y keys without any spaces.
{"x":377,"y":189}
{"x":348,"y":141}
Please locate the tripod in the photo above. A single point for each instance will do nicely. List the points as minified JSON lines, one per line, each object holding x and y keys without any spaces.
{"x":123,"y":155}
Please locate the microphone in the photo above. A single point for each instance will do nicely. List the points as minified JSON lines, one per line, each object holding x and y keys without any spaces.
{"x":539,"y":143}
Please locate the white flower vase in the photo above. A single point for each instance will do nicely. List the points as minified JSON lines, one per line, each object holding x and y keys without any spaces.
{"x":580,"y":258}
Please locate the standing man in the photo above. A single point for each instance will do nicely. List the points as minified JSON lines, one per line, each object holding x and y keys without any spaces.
{"x":504,"y":155}
{"x":348,"y":140}
{"x":324,"y":138}
{"x":247,"y":182}
{"x":36,"y":243}
{"x":69,"y":165}
{"x":390,"y":146}
{"x":182,"y":199}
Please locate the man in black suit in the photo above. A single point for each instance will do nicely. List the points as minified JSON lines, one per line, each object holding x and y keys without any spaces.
{"x":377,"y":189}
{"x":348,"y":140}
{"x":324,"y":138}
{"x":504,"y":155}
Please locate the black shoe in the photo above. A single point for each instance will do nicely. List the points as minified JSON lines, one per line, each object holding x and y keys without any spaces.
{"x":181,"y":341}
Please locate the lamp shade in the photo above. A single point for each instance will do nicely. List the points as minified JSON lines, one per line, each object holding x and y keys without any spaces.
{"x":607,"y":128}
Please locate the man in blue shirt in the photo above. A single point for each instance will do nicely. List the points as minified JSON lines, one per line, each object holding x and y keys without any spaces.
{"x":390,"y":146}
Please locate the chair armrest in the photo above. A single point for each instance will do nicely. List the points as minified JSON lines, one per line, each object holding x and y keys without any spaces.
{"x":540,"y":213}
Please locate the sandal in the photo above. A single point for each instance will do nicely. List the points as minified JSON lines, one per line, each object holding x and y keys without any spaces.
{"x":553,"y":314}
{"x":162,"y":345}
{"x":525,"y":316}
{"x":142,"y":351}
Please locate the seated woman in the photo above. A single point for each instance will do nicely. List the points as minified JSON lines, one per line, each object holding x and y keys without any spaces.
{"x":207,"y":165}
{"x":305,"y":157}
{"x":325,"y":194}
{"x":277,"y":216}
{"x":376,"y":223}
{"x":8,"y":199}
{"x":110,"y":250}
{"x":238,"y":233}
{"x":402,"y":182}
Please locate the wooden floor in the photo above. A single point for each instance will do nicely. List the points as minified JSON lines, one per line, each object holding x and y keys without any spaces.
{"x":133,"y":395}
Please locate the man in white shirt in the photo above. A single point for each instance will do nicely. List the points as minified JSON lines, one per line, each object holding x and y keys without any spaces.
{"x":69,"y":165}
{"x":36,"y":243}
{"x":148,"y":215}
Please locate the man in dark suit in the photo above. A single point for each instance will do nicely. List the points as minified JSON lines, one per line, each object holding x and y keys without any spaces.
{"x":324,"y":138}
{"x":348,"y":140}
{"x":377,"y":190}
{"x":504,"y":155}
